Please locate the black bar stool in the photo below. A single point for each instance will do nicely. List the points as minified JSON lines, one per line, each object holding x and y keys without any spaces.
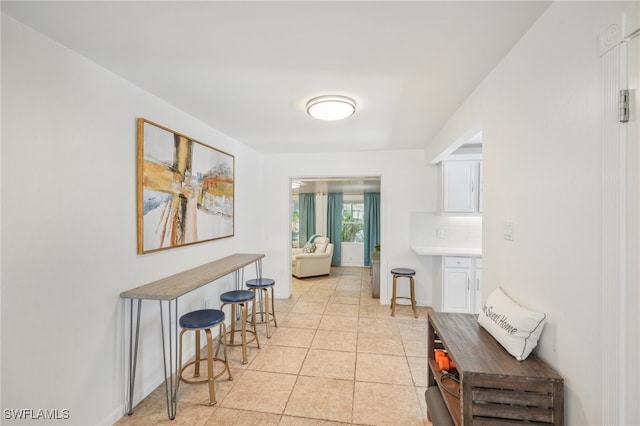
{"x":198,"y":321}
{"x":399,"y":273}
{"x":240,"y":298}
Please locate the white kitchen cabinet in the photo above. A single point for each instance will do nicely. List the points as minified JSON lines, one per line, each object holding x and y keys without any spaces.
{"x":461,"y":284}
{"x":456,"y":290}
{"x":478,"y":281}
{"x":461,"y":191}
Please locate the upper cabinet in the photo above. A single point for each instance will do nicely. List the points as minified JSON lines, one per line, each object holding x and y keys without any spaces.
{"x":462,"y":186}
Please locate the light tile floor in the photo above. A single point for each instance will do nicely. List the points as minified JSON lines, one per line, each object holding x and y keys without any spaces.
{"x":337,"y":358}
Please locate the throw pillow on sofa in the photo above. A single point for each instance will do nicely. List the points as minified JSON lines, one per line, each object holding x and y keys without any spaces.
{"x":309,"y":248}
{"x":517,"y":329}
{"x":321,"y":244}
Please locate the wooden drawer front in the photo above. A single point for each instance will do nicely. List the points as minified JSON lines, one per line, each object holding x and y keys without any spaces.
{"x":514,"y":401}
{"x":491,"y":414}
{"x":478,"y":262}
{"x":457,"y":262}
{"x":535,"y":385}
{"x":502,"y":396}
{"x":490,"y":408}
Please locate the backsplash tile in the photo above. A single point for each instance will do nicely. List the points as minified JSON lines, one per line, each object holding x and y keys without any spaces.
{"x":437,"y":230}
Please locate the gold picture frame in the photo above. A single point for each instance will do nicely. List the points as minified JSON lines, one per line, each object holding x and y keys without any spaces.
{"x":185,"y":190}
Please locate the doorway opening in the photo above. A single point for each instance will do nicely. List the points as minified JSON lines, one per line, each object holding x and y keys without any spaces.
{"x":315,"y":202}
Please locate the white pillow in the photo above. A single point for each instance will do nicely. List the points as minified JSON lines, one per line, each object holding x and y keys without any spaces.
{"x":514,"y":327}
{"x":321,"y":244}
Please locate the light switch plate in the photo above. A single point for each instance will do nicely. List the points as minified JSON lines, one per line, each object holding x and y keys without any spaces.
{"x":508,"y":231}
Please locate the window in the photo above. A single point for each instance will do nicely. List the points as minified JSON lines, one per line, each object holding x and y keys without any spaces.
{"x":353,"y":222}
{"x":295,"y":224}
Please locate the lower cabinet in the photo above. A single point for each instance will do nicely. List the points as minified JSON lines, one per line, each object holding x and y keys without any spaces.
{"x":461,"y":284}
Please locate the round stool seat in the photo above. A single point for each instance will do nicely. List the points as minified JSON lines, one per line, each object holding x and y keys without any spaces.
{"x":405,"y":272}
{"x":204,"y":318}
{"x":237,"y":296}
{"x":260,"y":282}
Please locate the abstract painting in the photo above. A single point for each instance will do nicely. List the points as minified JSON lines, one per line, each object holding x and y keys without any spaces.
{"x":185,"y":190}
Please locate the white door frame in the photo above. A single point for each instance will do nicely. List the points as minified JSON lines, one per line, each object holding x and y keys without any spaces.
{"x":621,"y":197}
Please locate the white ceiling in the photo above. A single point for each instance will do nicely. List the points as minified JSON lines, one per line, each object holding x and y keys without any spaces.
{"x":248,"y":68}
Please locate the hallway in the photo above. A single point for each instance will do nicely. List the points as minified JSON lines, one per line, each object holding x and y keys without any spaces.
{"x":337,"y":358}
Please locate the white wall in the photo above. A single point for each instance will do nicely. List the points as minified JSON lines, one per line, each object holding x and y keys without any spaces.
{"x":542,"y":127}
{"x":406,"y":185}
{"x":352,"y":254}
{"x":69,"y":229}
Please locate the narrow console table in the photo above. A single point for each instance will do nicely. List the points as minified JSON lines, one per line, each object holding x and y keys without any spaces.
{"x":494,"y":387}
{"x":168,"y":290}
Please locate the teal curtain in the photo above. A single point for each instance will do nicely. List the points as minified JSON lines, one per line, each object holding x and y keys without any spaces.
{"x":371,"y":224}
{"x":334,"y":225}
{"x":307,"y":217}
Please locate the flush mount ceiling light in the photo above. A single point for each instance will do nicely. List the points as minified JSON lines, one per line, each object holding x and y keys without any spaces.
{"x":331,"y":107}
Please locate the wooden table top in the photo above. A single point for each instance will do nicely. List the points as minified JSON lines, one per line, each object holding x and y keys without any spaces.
{"x":475,"y":351}
{"x":176,"y":285}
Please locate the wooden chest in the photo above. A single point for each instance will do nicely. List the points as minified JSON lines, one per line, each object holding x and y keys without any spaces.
{"x":494,"y":388}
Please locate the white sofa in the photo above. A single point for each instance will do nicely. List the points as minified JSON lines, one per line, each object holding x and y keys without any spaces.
{"x":312,"y":264}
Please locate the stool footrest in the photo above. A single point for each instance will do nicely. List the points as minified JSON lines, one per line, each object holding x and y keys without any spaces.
{"x":228,"y":341}
{"x":204,"y":379}
{"x":272,"y":318}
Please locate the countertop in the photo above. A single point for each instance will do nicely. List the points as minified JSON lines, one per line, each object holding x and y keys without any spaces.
{"x":447,"y":251}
